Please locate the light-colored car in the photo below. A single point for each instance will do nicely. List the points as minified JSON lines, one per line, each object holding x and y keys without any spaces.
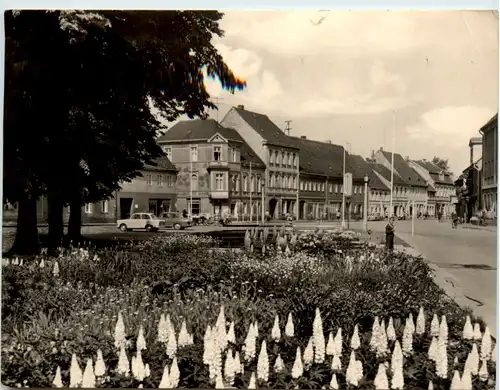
{"x":175,"y":220}
{"x":143,"y":221}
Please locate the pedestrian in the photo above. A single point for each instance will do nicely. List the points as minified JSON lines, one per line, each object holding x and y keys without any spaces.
{"x":389,"y":235}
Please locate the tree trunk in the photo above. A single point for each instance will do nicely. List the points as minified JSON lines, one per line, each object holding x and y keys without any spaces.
{"x":26,"y":241}
{"x":55,"y":220}
{"x":75,"y":221}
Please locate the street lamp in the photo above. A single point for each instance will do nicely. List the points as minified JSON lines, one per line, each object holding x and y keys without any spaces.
{"x":263,"y":208}
{"x":412,"y":209}
{"x":365,"y":205}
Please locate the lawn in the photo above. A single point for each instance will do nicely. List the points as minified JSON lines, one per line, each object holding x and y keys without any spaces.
{"x":290,"y":310}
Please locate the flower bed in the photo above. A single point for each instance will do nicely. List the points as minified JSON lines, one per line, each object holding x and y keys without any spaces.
{"x":173,"y":312}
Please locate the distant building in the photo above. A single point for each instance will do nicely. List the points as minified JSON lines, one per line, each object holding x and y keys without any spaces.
{"x":468,"y":190}
{"x":489,"y":165}
{"x":441,"y":186}
{"x":412,"y":189}
{"x":214,"y":164}
{"x":279,"y":155}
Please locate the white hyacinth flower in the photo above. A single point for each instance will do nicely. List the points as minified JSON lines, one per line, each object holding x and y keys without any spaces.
{"x":229,"y":370}
{"x":42,"y":264}
{"x":220,"y":327}
{"x":431,"y":386}
{"x":494,"y":354}
{"x":333,"y":383}
{"x":477,"y":332}
{"x":275,"y":332}
{"x":483,"y":371}
{"x":231,"y":337}
{"x":171,"y":344}
{"x":351,"y":375}
{"x":397,"y":358}
{"x":391,"y":332}
{"x":207,"y":347}
{"x":252,"y":384}
{"x":308,"y":354}
{"x":442,"y":360}
{"x":120,"y":335}
{"x":298,"y":368}
{"x":175,"y":375}
{"x":337,"y":343}
{"x":318,"y":338}
{"x":162,"y":330}
{"x":263,"y":363}
{"x":237,"y":363}
{"x":466,"y":380}
{"x":432,"y":353}
{"x":100,"y":367}
{"x":456,"y":382}
{"x":289,"y":328}
{"x":147,"y":371}
{"x":435,"y":326}
{"x":141,"y":341}
{"x":381,"y":382}
{"x":88,"y":380}
{"x":123,"y":367}
{"x":336,"y":363}
{"x":165,"y":379}
{"x":411,"y":324}
{"x":407,"y":340}
{"x":381,"y":340}
{"x":249,"y":346}
{"x":138,"y":367}
{"x":256,"y":329}
{"x":75,"y":373}
{"x":375,"y":330}
{"x":55,"y":271}
{"x":468,"y":332}
{"x":355,"y":342}
{"x":358,"y":365}
{"x":472,"y":362}
{"x":330,"y":345}
{"x":183,"y":340}
{"x":443,"y":330}
{"x":398,"y":381}
{"x":420,"y":326}
{"x":57,"y":382}
{"x":279,"y":366}
{"x":486,"y":345}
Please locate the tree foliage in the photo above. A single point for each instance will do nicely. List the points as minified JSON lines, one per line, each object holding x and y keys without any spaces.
{"x":441,"y":163}
{"x":80,"y":88}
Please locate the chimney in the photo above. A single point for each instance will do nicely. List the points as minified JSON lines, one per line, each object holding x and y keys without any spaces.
{"x":328,"y":141}
{"x":424,"y":160}
{"x":303,"y":137}
{"x":381,"y":149}
{"x":241,"y":106}
{"x":407,"y":158}
{"x":373,"y":154}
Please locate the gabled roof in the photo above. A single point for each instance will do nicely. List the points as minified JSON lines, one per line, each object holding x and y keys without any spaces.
{"x":161,"y":164}
{"x":248,"y":155}
{"x":428,"y":166}
{"x":407,"y":173}
{"x":434,"y":172}
{"x":199,"y":130}
{"x":489,"y":124}
{"x":386,"y":173}
{"x":359,"y":168}
{"x":265,"y":127}
{"x":319,"y":158}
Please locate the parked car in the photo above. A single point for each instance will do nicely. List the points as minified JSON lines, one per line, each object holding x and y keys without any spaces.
{"x":146,"y":221}
{"x":175,"y":220}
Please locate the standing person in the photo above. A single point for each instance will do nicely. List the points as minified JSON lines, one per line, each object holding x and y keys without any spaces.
{"x":389,"y":235}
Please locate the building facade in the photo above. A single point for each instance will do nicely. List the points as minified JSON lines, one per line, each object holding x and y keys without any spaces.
{"x":279,"y":155}
{"x":489,"y":165}
{"x":442,"y":187}
{"x":215,"y":169}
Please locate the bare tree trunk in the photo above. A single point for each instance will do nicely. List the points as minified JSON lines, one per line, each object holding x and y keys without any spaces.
{"x":55,"y":220}
{"x":26,"y":241}
{"x":75,"y":221}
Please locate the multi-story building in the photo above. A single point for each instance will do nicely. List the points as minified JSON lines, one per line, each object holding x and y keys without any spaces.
{"x":468,"y":190}
{"x":489,"y":164}
{"x":441,"y":185}
{"x":415,"y":189}
{"x":399,"y":199}
{"x":214,"y":165}
{"x":279,"y":154}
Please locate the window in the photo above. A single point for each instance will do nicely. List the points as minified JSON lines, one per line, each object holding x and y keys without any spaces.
{"x":295,"y":162}
{"x":194,"y":153}
{"x":136,"y":216}
{"x":336,"y":188}
{"x":252,"y":184}
{"x":341,"y":187}
{"x":294,"y":183}
{"x":88,"y":208}
{"x":194,"y":182}
{"x":217,"y":153}
{"x":273,"y":181}
{"x":290,"y":159}
{"x":233,"y":152}
{"x":278,"y":162}
{"x":278,"y":181}
{"x":148,"y":180}
{"x":168,"y":152}
{"x":104,"y":207}
{"x":259,"y":184}
{"x":219,"y":181}
{"x":195,"y":207}
{"x":283,"y":159}
{"x":169,"y":180}
{"x":159,"y":180}
{"x":245,"y":184}
{"x":271,"y":157}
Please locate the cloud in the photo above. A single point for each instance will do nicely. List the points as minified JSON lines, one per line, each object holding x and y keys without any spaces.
{"x":449,"y":126}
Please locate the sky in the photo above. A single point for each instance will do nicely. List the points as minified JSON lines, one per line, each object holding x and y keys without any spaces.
{"x":358,"y":77}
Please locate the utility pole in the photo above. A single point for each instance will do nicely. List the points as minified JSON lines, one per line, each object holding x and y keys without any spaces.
{"x":251,"y":189}
{"x":217,"y":101}
{"x":287,"y":127}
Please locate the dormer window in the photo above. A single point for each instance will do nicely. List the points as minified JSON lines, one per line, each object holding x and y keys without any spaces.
{"x":217,"y":153}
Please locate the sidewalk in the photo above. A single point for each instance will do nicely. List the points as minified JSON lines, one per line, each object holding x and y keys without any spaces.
{"x":45,"y":224}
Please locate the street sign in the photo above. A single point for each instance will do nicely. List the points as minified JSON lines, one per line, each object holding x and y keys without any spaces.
{"x":348,"y":184}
